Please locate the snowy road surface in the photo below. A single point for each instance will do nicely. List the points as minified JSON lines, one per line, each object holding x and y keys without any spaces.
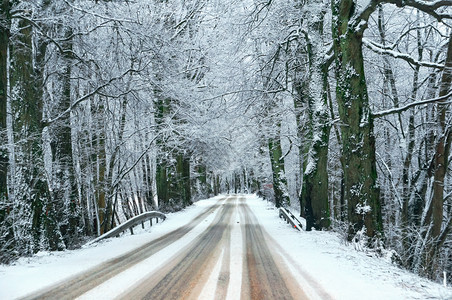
{"x":231,"y":258}
{"x":209,"y":257}
{"x":227,"y":247}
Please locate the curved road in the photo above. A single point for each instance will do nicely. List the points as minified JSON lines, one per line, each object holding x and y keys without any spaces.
{"x":233,"y":258}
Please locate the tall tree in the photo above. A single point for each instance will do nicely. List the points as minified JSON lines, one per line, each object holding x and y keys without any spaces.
{"x":314,"y":193}
{"x":441,"y":163}
{"x":53,"y":61}
{"x":358,"y":140}
{"x":29,"y":182}
{"x":4,"y":43}
{"x":279,"y":176}
{"x":6,"y":233}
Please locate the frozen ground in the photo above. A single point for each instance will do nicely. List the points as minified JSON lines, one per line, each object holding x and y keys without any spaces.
{"x":341,"y":270}
{"x":320,"y":259}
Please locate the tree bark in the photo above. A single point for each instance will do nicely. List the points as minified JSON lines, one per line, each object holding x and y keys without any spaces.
{"x":30,"y":184}
{"x":64,"y":190}
{"x":443,"y":146}
{"x":181,"y":191}
{"x":358,"y":141}
{"x":4,"y":44}
{"x":161,"y":177}
{"x":314,"y":193}
{"x":279,"y":180}
{"x":441,"y":160}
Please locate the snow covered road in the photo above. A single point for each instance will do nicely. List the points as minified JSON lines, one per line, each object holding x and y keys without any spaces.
{"x":91,"y":278}
{"x":187,"y":275}
{"x":227,"y":247}
{"x":208,"y":266}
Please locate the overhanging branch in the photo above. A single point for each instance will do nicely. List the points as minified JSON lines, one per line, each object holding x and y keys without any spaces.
{"x":377,"y":48}
{"x":413,"y":104}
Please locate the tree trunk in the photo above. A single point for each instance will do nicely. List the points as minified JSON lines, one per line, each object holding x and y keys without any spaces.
{"x":216,"y":184}
{"x":358,"y":141}
{"x":279,"y":179}
{"x":181,"y":191}
{"x":64,"y":188}
{"x":162,"y":184}
{"x":110,"y":188}
{"x":440,"y":161}
{"x":29,"y":183}
{"x":161,"y":177}
{"x":4,"y":44}
{"x":408,"y":213}
{"x":99,"y":158}
{"x":443,"y":146}
{"x":6,"y":230}
{"x":205,"y":189}
{"x":314,"y":193}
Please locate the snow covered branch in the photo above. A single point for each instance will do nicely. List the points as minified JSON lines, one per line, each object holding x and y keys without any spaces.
{"x":360,"y":21}
{"x":427,"y":7}
{"x":98,"y":15}
{"x":87,"y":96}
{"x":413,"y":104}
{"x":123,"y":175}
{"x":380,"y":49}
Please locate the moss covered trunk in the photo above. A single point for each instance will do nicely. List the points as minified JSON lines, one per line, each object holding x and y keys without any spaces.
{"x":279,"y":179}
{"x":361,"y":191}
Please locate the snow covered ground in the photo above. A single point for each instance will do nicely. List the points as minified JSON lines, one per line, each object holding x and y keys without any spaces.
{"x":321,"y":260}
{"x":341,"y":270}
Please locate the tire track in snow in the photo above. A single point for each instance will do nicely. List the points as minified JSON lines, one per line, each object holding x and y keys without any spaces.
{"x":79,"y":284}
{"x":186,"y":275}
{"x":231,"y":258}
{"x":263,"y":276}
{"x":236,"y":258}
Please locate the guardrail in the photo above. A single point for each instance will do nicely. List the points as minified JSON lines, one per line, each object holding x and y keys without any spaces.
{"x":129,"y":224}
{"x":290,"y":218}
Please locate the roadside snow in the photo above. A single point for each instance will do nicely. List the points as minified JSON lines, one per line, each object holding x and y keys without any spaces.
{"x":339,"y":269}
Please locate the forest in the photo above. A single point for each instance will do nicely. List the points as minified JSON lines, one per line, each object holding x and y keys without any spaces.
{"x":337,"y":108}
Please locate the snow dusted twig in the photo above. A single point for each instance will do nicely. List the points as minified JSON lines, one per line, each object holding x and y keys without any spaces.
{"x":380,"y":49}
{"x":359,"y":22}
{"x":428,"y":7}
{"x":244,"y":91}
{"x":94,"y":92}
{"x":94,"y":14}
{"x":289,"y":150}
{"x":121,"y":177}
{"x":390,"y":179}
{"x":413,"y":104}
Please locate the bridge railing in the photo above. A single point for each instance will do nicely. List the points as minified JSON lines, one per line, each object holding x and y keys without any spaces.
{"x":290,"y":218}
{"x":129,"y":224}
